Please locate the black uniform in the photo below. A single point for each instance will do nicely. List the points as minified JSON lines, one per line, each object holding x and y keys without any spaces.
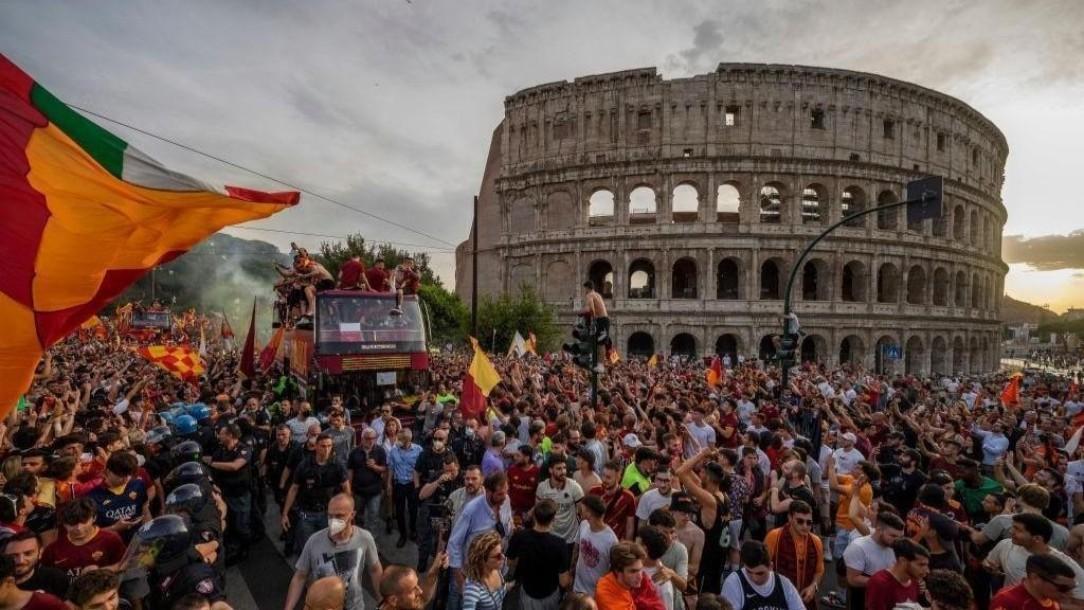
{"x":188,"y":575}
{"x":236,"y":489}
{"x":277,"y":459}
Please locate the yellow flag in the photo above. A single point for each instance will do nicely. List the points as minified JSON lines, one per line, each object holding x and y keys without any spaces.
{"x":614,"y":356}
{"x":654,"y":361}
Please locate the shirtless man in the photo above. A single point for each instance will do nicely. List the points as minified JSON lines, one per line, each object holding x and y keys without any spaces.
{"x":311,"y":275}
{"x":597,"y":308}
{"x":406,"y":282}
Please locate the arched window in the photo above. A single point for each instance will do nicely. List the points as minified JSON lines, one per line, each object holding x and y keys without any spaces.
{"x":769,"y":345}
{"x":853,"y":286}
{"x":939,"y":356}
{"x":959,"y":352}
{"x":686,"y":204}
{"x":812,"y":349}
{"x":641,"y":279}
{"x":560,"y":213}
{"x":940,"y":287}
{"x":642,"y":205}
{"x":728,"y":282}
{"x":601,"y":274}
{"x":914,"y":357}
{"x":976,"y":291}
{"x":940,"y":225}
{"x":852,"y":202}
{"x":771,"y":205}
{"x":881,"y":363}
{"x":641,"y":345}
{"x":522,"y":216}
{"x":916,"y":285}
{"x":887,"y":218}
{"x":684,"y":279}
{"x":770,"y":282}
{"x":961,"y":289}
{"x":814,"y":204}
{"x":815,"y":280}
{"x":601,"y":204}
{"x":987,"y":234}
{"x":727,"y":203}
{"x":851,"y":350}
{"x":727,"y":345}
{"x":683,"y":344}
{"x":976,"y":232}
{"x":959,"y":223}
{"x":888,"y":284}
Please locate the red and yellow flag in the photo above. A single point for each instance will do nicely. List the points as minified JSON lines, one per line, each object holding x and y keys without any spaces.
{"x":180,"y":360}
{"x":479,"y":381}
{"x":271,"y":351}
{"x":82,"y":216}
{"x":1010,"y":396}
{"x":614,"y":356}
{"x":715,"y":372}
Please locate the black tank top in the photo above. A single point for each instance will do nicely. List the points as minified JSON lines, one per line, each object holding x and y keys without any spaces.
{"x":711,"y":562}
{"x":777,"y":600}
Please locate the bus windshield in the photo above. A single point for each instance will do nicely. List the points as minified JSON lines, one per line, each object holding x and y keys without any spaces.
{"x":352,"y":325}
{"x":151,"y":319}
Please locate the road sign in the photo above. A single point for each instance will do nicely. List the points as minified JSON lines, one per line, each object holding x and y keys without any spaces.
{"x":926,"y":195}
{"x":892,"y":352}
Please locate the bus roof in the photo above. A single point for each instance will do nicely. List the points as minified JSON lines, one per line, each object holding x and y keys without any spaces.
{"x":362,"y":294}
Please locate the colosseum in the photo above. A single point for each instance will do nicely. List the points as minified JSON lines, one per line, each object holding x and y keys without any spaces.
{"x":687,"y":201}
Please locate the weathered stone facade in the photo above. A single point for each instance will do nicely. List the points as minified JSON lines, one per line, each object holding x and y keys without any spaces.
{"x":688,"y":200}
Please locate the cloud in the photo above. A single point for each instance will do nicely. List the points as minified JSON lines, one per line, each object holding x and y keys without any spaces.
{"x":1046,"y":252}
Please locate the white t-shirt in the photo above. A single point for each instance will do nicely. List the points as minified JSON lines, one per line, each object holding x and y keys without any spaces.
{"x":594,"y":557}
{"x":1013,"y":559}
{"x":733,"y":592}
{"x":868,"y":557}
{"x":666,"y":589}
{"x":300,"y":428}
{"x":745,"y":410}
{"x":564,"y":522}
{"x":847,"y":461}
{"x":704,"y":435}
{"x":651,"y":501}
{"x":1074,"y":477}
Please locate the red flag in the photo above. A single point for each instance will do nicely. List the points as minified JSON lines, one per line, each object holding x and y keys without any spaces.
{"x":479,"y":380}
{"x":248,"y":353}
{"x":1010,"y":396}
{"x":227,"y":330}
{"x":271,"y":350}
{"x":181,"y":360}
{"x":715,"y":372}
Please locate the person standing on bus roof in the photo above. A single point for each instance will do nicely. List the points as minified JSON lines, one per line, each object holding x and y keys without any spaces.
{"x":406,"y":282}
{"x":352,"y":275}
{"x":377,"y":277}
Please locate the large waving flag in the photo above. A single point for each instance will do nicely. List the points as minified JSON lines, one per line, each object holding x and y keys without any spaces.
{"x":479,"y":381}
{"x":180,"y":360}
{"x":1010,"y":396}
{"x":82,"y":216}
{"x":715,"y":372}
{"x":270,"y":351}
{"x":519,"y":347}
{"x":248,"y":353}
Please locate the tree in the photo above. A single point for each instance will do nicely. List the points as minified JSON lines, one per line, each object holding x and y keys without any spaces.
{"x":447,"y":314}
{"x":499,"y":320}
{"x":333,"y":254}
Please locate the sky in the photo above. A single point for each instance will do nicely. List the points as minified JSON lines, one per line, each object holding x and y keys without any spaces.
{"x":388,"y":105}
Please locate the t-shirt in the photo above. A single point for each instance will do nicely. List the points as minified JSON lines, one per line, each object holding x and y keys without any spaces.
{"x":317,"y":484}
{"x":868,"y":557}
{"x":44,"y":601}
{"x":113,"y":507}
{"x":665,"y":589}
{"x":883,"y":591}
{"x":522,"y":483}
{"x":1018,"y":598}
{"x":704,"y":436}
{"x":566,"y":498}
{"x":650,"y":502}
{"x":971,"y":497}
{"x":299,"y":428}
{"x":1000,"y":527}
{"x":634,"y":480}
{"x":847,"y":460}
{"x":367,"y":482}
{"x":541,"y":557}
{"x":350,"y":274}
{"x":594,"y":557}
{"x":735,"y":594}
{"x":234,"y":482}
{"x":342,"y":442}
{"x":378,"y":279}
{"x":104,"y":549}
{"x":1013,"y":559}
{"x":49,"y":580}
{"x":619,"y":507}
{"x":322,"y":557}
{"x":407,"y":280}
{"x":865,"y":495}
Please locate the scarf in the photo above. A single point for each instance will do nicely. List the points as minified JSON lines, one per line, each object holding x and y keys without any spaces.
{"x":787,"y":560}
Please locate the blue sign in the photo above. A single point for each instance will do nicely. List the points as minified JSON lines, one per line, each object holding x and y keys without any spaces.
{"x":892,"y":352}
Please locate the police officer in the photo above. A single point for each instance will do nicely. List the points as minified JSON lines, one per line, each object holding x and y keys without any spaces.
{"x":175,"y":568}
{"x":231,"y":463}
{"x":434,"y":512}
{"x":202,"y":518}
{"x":315,"y":481}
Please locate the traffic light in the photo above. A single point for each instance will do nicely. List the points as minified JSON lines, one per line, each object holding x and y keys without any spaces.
{"x":584,"y":344}
{"x":788,"y":346}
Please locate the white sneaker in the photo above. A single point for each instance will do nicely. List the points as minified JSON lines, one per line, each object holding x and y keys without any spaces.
{"x":828,"y":551}
{"x":397,"y":312}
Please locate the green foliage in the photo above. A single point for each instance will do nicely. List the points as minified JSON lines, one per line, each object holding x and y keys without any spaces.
{"x":499,"y":319}
{"x":447,"y":314}
{"x":1075,"y":327}
{"x":333,"y":254}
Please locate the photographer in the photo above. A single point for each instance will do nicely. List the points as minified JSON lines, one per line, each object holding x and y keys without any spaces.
{"x":434,"y":512}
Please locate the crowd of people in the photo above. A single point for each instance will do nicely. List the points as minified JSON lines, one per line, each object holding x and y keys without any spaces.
{"x":124,"y":485}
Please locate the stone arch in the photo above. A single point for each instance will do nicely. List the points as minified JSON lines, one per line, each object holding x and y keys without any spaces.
{"x":601,"y":204}
{"x":914,"y":356}
{"x":519,"y":276}
{"x":814,"y":204}
{"x":683,"y":344}
{"x":771,"y":203}
{"x":881,"y":363}
{"x":816,"y":280}
{"x":851,"y":350}
{"x":961,"y":289}
{"x":985,"y":359}
{"x":887,"y":219}
{"x":940,"y":287}
{"x":888,"y":283}
{"x":522,"y":216}
{"x":558,"y":282}
{"x":728,"y":284}
{"x":987,"y":234}
{"x":916,"y":285}
{"x":640,"y":344}
{"x":685,"y":203}
{"x":601,"y":274}
{"x":767,"y":347}
{"x":976,"y":290}
{"x":728,"y":344}
{"x":813,"y":349}
{"x":560,"y":213}
{"x":642,"y":279}
{"x":854,"y":281}
{"x":683,"y":279}
{"x":643,"y":205}
{"x":974,"y":233}
{"x":852,"y":201}
{"x":959,"y":352}
{"x":728,"y":202}
{"x":940,"y":225}
{"x":771,"y":279}
{"x":939,"y":356}
{"x":976,"y":355}
{"x":959,"y":223}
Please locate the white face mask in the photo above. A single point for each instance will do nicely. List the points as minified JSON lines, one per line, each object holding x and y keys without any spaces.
{"x":336,"y":526}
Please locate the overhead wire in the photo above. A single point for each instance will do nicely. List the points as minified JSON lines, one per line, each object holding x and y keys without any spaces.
{"x":263,"y":175}
{"x":422,"y":247}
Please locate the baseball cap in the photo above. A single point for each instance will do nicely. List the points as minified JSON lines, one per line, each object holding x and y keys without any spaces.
{"x":849,"y":436}
{"x":631,"y":441}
